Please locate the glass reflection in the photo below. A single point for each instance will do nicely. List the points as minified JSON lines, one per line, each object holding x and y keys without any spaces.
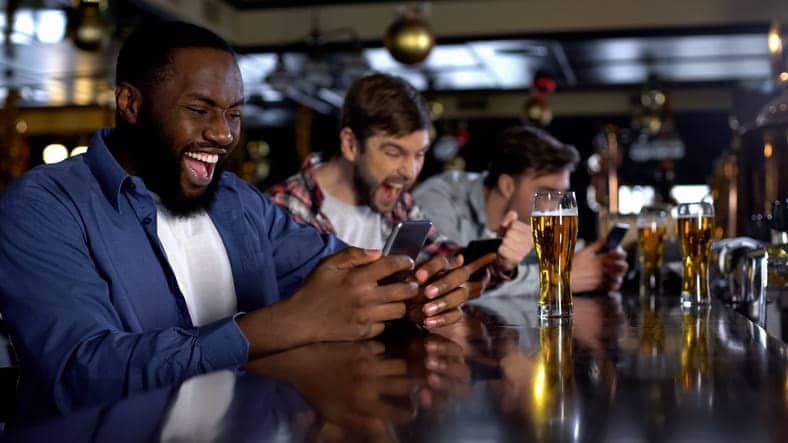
{"x":695,"y":368}
{"x":551,"y":404}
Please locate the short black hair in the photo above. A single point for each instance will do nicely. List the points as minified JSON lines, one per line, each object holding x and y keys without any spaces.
{"x":525,"y":148}
{"x":383,"y":103}
{"x":147,"y":52}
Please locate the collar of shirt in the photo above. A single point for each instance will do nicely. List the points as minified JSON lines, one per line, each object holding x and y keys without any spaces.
{"x":399,"y":213}
{"x":108,"y":172}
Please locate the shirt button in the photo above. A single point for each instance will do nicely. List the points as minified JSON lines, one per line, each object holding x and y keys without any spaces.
{"x":147,"y":220}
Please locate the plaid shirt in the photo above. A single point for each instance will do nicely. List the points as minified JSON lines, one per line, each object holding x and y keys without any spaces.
{"x":301,"y":195}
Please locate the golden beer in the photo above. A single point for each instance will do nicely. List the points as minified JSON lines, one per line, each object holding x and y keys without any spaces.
{"x":696,"y":366}
{"x":695,"y":234}
{"x":553,"y":393}
{"x":554,"y":241}
{"x":651,"y":239}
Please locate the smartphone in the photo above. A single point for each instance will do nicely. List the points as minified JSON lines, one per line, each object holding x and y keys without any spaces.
{"x":478,"y":248}
{"x":406,"y":238}
{"x":614,"y":237}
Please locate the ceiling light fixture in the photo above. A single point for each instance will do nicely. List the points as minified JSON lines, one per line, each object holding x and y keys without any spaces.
{"x":409,"y":38}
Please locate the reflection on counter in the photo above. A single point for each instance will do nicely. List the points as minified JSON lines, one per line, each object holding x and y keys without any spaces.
{"x":624,"y":368}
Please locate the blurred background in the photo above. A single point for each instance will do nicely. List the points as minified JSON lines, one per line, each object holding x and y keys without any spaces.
{"x":666,"y":101}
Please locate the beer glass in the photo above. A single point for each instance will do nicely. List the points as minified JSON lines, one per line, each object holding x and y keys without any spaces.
{"x":695,"y":223}
{"x":652,"y":229}
{"x":554,"y":227}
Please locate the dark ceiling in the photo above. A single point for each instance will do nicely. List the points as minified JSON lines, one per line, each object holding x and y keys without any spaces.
{"x":263,"y":4}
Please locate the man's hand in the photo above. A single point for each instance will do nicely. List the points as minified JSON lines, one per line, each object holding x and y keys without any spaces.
{"x":340,"y":300}
{"x":592,"y":272}
{"x":615,"y":265}
{"x":444,"y":288}
{"x":517,"y":242}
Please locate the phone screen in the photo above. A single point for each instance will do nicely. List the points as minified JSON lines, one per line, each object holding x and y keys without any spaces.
{"x":407,"y":238}
{"x":614,"y":237}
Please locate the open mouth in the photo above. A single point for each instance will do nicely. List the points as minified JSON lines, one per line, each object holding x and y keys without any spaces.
{"x":201,"y":166}
{"x":390,"y":192}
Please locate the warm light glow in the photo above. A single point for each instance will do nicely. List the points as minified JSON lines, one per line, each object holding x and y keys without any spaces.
{"x":784,"y":76}
{"x":55,"y":153}
{"x":775,"y":42}
{"x":540,"y":387}
{"x":21,"y":126}
{"x":79,"y":150}
{"x":768,"y":150}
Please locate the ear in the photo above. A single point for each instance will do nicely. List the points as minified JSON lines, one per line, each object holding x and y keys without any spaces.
{"x":349,"y":144}
{"x":506,"y":185}
{"x":128,"y":100}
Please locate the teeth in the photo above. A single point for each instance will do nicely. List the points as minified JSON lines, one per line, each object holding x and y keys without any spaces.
{"x":203,"y":157}
{"x":397,"y":186}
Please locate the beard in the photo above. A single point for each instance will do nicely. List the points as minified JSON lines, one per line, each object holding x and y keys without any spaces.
{"x":161,"y":168}
{"x":365,"y":186}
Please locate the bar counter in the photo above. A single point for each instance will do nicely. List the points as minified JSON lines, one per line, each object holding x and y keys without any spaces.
{"x":624,"y":368}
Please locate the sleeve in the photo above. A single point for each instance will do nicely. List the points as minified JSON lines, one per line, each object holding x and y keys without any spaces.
{"x":435,"y":199}
{"x":296,"y":248}
{"x":73,"y":343}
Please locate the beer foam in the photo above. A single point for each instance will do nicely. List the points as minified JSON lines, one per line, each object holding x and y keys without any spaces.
{"x":556,"y":212}
{"x":685,"y":216}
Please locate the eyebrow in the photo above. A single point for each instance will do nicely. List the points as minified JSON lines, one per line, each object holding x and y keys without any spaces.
{"x":211,"y":102}
{"x":400,"y":148}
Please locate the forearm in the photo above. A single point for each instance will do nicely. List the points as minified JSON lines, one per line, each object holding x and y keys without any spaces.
{"x":111,"y":364}
{"x":273,"y":329}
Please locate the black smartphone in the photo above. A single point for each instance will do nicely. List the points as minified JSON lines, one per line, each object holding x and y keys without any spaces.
{"x":406,"y":238}
{"x":478,"y":248}
{"x":614,"y":237}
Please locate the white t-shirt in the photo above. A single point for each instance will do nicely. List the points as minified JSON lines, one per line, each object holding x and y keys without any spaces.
{"x":359,"y":226}
{"x":199,"y":260}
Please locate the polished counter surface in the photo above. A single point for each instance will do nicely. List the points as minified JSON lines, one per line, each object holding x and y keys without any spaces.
{"x":623,"y":369}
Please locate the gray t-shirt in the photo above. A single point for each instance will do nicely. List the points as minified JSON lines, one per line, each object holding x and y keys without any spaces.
{"x":454,"y":202}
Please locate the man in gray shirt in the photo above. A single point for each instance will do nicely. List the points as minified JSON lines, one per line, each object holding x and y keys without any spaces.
{"x":467,"y":206}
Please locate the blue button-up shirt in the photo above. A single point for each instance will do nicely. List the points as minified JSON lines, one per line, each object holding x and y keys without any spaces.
{"x":91,"y":304}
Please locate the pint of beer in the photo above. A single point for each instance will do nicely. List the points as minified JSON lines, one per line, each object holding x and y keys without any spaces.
{"x":695,"y":223}
{"x":652,"y":229}
{"x":554,"y":226}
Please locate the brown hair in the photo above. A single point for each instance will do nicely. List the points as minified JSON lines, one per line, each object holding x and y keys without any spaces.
{"x":383,"y":103}
{"x":526,"y":148}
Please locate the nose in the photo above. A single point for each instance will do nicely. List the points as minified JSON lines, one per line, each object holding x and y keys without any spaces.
{"x":409,"y":168}
{"x":219,"y":131}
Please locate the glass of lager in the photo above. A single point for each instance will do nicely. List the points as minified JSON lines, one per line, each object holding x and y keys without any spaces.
{"x":652,"y":229}
{"x":554,"y":227}
{"x":695,"y":223}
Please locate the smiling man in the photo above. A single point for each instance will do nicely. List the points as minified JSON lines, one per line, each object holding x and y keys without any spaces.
{"x":361,"y":191}
{"x":142,"y":263}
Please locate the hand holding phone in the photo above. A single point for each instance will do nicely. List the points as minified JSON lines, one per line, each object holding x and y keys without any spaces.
{"x":406,"y":238}
{"x":478,"y":248}
{"x":614,"y":237}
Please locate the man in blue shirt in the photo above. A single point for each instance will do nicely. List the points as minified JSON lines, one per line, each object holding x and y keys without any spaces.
{"x":141,"y":263}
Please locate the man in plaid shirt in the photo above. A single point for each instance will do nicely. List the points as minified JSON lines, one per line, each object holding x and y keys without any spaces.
{"x":360,"y":192}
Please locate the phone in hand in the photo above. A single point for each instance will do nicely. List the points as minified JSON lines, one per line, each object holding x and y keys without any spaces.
{"x":614,"y":237}
{"x":478,"y":248}
{"x":406,"y":238}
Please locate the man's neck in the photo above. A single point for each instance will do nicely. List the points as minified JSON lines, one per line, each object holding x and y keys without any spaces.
{"x":118,"y":145}
{"x":495,"y":207}
{"x":335,"y":177}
